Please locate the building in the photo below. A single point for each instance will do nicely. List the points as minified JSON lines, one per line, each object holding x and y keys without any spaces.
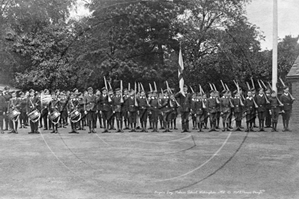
{"x":293,"y":79}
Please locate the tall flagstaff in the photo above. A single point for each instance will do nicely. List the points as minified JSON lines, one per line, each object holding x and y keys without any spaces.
{"x":275,"y":41}
{"x":180,"y":70}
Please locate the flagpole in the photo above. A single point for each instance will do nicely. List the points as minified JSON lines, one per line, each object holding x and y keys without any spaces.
{"x":275,"y":41}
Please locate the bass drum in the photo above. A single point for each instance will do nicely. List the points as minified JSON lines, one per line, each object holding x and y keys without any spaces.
{"x":14,"y":115}
{"x":54,"y":117}
{"x":34,"y":116}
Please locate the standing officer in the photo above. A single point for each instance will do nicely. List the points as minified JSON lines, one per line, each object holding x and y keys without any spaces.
{"x":90,"y":109}
{"x":33,"y":103}
{"x":2,"y":110}
{"x":124,"y":109}
{"x":185,"y":103}
{"x":287,"y":100}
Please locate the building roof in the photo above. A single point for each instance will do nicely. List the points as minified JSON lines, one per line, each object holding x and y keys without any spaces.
{"x":294,"y":72}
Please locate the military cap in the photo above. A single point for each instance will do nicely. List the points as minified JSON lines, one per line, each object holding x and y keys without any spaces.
{"x":235,"y":92}
{"x":104,"y":89}
{"x":118,"y":89}
{"x":90,"y":88}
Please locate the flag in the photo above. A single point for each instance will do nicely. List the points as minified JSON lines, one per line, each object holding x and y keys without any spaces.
{"x":180,"y":70}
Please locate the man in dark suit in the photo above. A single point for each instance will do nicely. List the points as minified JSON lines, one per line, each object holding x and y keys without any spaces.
{"x":287,"y":101}
{"x":185,"y":105}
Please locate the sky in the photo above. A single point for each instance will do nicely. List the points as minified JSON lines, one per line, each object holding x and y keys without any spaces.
{"x":260,"y":13}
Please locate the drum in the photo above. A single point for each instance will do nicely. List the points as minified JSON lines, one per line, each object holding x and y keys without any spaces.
{"x":14,"y":115}
{"x":75,"y":116}
{"x":54,"y":116}
{"x":34,"y":116}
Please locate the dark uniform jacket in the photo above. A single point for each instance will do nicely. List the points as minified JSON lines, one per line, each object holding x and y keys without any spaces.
{"x":261,"y":103}
{"x":90,"y":102}
{"x":185,"y":101}
{"x":33,"y":103}
{"x":236,"y":101}
{"x":105,"y":105}
{"x":287,"y":102}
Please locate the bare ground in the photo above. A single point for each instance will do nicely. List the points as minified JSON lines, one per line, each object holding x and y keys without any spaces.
{"x":149,"y":165}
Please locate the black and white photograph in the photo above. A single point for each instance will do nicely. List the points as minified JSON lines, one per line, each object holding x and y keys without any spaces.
{"x":149,"y":99}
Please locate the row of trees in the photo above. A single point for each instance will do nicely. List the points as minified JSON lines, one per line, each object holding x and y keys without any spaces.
{"x":41,"y":47}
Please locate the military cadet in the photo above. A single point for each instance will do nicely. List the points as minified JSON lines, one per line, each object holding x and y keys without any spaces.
{"x":185,"y":105}
{"x":63,"y":109}
{"x":72,"y":109}
{"x":231,"y":110}
{"x":90,"y":101}
{"x":81,"y":122}
{"x":98,"y":110}
{"x":287,"y":101}
{"x":149,"y":111}
{"x":194,"y":110}
{"x":163,"y":96}
{"x":168,"y":109}
{"x":33,"y":104}
{"x":132,"y":109}
{"x":3,"y":107}
{"x":7,"y":96}
{"x":143,"y":105}
{"x":218,"y":113}
{"x":154,"y":107}
{"x":23,"y":104}
{"x":105,"y":108}
{"x":13,"y":110}
{"x":250,"y":106}
{"x":274,"y":110}
{"x":117,"y":101}
{"x":212,"y":103}
{"x":54,"y":114}
{"x":225,"y":108}
{"x":238,"y":110}
{"x":254,"y":115}
{"x":205,"y":112}
{"x":268,"y":110}
{"x":111,"y":119}
{"x":124,"y":109}
{"x":199,"y":105}
{"x":45,"y":111}
{"x":261,"y":101}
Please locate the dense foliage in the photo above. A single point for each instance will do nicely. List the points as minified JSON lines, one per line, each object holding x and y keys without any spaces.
{"x":41,"y":47}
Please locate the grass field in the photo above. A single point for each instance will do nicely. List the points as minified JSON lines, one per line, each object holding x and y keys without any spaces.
{"x":149,"y":165}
